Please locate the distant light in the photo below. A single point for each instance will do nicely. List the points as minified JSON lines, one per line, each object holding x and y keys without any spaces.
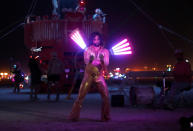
{"x":67,"y":70}
{"x":21,"y":86}
{"x":116,"y":77}
{"x":5,"y":74}
{"x":117,"y":69}
{"x":82,"y":2}
{"x":2,"y":74}
{"x":26,"y":78}
{"x":66,"y":76}
{"x":13,"y":80}
{"x":169,"y":69}
{"x":120,"y":75}
{"x":187,"y":60}
{"x":117,"y":73}
{"x":111,"y":74}
{"x":81,"y":70}
{"x":35,"y":49}
{"x":36,"y":57}
{"x":191,"y":124}
{"x":145,"y":67}
{"x":127,"y":69}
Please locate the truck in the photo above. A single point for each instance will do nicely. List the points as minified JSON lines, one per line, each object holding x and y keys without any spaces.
{"x":51,"y":34}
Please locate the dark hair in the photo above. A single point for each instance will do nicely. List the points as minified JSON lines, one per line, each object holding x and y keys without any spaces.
{"x":92,"y":36}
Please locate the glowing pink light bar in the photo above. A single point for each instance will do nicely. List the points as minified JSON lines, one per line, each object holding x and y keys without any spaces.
{"x":120,"y":47}
{"x":119,"y":44}
{"x":77,"y":38}
{"x":121,"y":50}
{"x":123,"y":53}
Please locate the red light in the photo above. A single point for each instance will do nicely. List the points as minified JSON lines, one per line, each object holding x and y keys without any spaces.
{"x":21,"y":86}
{"x":82,"y":3}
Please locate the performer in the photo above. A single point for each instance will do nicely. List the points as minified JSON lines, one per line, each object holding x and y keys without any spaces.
{"x":96,"y":58}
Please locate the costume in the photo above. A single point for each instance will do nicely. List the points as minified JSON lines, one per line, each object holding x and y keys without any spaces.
{"x":96,"y":59}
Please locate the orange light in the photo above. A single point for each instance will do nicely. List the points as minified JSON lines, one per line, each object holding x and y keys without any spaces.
{"x":127,"y":70}
{"x":145,"y":67}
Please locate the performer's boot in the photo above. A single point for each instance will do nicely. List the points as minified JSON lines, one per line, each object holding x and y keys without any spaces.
{"x":103,"y":90}
{"x":105,"y":110}
{"x":75,"y":113}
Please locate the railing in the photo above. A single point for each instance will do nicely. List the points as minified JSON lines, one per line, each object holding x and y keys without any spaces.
{"x":158,"y":78}
{"x":49,"y":30}
{"x":149,"y":74}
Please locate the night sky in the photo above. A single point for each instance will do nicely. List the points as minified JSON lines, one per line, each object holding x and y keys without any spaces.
{"x":124,"y":20}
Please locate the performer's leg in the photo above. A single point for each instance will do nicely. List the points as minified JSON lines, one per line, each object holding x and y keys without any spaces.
{"x":103,"y":90}
{"x":84,"y":88}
